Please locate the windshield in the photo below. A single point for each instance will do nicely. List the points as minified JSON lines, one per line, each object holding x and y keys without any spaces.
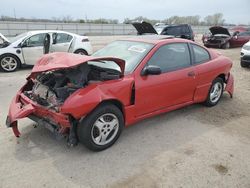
{"x":130,"y":51}
{"x":14,"y":39}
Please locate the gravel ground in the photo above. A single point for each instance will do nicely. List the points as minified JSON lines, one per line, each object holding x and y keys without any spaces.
{"x":195,"y":146}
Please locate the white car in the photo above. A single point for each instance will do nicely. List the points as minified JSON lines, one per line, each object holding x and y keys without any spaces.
{"x":26,"y":48}
{"x":245,"y":55}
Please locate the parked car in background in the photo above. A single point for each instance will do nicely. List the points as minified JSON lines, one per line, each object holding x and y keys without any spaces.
{"x":26,"y":48}
{"x":94,"y":97}
{"x":179,"y":31}
{"x":221,"y":37}
{"x":245,"y":55}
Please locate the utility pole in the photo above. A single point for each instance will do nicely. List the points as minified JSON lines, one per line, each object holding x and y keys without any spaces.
{"x":14,"y":13}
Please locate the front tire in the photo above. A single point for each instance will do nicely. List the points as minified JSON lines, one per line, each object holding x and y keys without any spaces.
{"x":226,"y":45}
{"x":101,"y":128}
{"x":9,"y":63}
{"x":215,"y":92}
{"x":243,"y":64}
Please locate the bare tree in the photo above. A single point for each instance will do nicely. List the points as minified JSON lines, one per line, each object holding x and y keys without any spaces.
{"x":215,"y":19}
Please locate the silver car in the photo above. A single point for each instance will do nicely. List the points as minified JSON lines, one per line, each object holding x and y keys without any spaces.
{"x":26,"y":48}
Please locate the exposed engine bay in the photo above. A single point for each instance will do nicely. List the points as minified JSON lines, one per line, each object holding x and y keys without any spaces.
{"x":52,"y":88}
{"x":218,"y":38}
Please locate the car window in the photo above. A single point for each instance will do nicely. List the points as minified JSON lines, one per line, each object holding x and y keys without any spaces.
{"x":35,"y":40}
{"x":18,"y":37}
{"x":172,"y":31}
{"x":171,"y":57}
{"x":201,"y":55}
{"x":130,"y":51}
{"x":63,"y":38}
{"x":185,"y":29}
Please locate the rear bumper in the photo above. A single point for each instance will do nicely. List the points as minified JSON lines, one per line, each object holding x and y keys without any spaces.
{"x":21,"y":107}
{"x":245,"y":59}
{"x":230,"y":85}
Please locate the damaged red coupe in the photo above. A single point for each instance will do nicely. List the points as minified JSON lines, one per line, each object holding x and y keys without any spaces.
{"x":92,"y":98}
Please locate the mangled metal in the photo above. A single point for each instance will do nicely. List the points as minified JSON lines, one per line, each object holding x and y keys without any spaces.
{"x":52,"y":88}
{"x":52,"y":82}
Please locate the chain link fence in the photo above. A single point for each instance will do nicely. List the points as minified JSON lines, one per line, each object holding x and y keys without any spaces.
{"x":11,"y":29}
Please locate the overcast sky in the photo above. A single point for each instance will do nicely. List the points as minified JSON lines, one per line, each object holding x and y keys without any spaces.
{"x":234,"y":11}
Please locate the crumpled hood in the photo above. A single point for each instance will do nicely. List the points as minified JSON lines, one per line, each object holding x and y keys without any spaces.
{"x":62,"y":60}
{"x":219,"y":30}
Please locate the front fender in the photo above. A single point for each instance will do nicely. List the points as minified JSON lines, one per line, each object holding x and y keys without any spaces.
{"x":84,"y":100}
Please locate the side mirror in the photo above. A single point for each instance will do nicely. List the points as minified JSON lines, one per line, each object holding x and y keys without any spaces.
{"x":151,"y":70}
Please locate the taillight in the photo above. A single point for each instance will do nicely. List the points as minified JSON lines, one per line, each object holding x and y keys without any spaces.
{"x":85,"y":40}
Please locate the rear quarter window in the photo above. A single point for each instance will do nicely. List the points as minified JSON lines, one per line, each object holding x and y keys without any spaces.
{"x":201,"y":55}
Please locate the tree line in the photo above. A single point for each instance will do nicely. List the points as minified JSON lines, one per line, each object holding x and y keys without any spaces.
{"x":214,"y":19}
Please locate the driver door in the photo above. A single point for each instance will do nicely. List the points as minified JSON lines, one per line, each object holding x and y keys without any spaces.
{"x":61,"y":42}
{"x":33,"y":48}
{"x":174,"y":86}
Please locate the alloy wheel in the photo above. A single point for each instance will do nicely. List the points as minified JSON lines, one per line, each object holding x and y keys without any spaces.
{"x":216,"y":92}
{"x":9,"y":63}
{"x":105,"y":129}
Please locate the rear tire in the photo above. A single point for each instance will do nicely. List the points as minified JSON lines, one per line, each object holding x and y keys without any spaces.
{"x":9,"y":63}
{"x":101,"y":128}
{"x":215,"y":92}
{"x":81,"y":52}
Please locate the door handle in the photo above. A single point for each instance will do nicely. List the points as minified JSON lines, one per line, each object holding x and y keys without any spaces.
{"x":191,"y":74}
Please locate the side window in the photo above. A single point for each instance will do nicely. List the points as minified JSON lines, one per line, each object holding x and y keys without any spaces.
{"x":63,"y":38}
{"x":54,"y":38}
{"x":201,"y":55}
{"x":35,"y":40}
{"x":172,"y":31}
{"x":184,"y":29}
{"x":171,"y":57}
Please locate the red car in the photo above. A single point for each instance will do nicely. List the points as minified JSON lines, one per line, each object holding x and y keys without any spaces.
{"x":92,"y":98}
{"x":221,"y":37}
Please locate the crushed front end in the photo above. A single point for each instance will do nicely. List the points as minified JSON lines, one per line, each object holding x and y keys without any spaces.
{"x":25,"y":106}
{"x":54,"y":79}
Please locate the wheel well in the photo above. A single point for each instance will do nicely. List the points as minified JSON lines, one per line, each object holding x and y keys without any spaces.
{"x":115,"y":102}
{"x":80,"y":49}
{"x":223,"y":77}
{"x":18,"y":59}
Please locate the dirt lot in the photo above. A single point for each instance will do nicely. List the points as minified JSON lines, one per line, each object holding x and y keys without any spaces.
{"x":192,"y":147}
